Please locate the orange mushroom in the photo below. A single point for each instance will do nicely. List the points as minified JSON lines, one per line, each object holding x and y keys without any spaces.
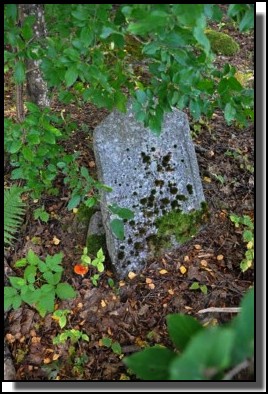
{"x":80,"y":269}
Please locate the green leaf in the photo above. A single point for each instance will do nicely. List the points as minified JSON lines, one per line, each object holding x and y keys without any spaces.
{"x":42,"y":214}
{"x":17,"y":282}
{"x":194,"y":286}
{"x":85,"y":337}
{"x":15,"y":146}
{"x":32,"y":258}
{"x":46,"y":303}
{"x":30,"y":296}
{"x":229,"y":113}
{"x":141,"y":96}
{"x":106,"y":341}
{"x":42,"y":266}
{"x":247,"y":21}
{"x":74,"y":202}
{"x":28,"y":153}
{"x":207,"y":354}
{"x":52,"y":279}
{"x":117,"y":227}
{"x":248,"y":236}
{"x":9,"y":291}
{"x":151,"y":364}
{"x":62,"y":321}
{"x":116,"y":348}
{"x":106,"y":32}
{"x":29,"y":273}
{"x":71,"y":76}
{"x":152,"y":22}
{"x":100,"y":267}
{"x":204,"y":289}
{"x":201,"y":38}
{"x":123,"y":213}
{"x":21,"y":263}
{"x":19,"y":72}
{"x":181,"y":329}
{"x":90,"y":202}
{"x":17,"y":302}
{"x":11,"y":11}
{"x":65,"y":291}
{"x":247,"y":221}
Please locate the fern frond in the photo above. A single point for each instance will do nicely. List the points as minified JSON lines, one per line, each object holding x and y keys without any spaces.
{"x":13,"y":212}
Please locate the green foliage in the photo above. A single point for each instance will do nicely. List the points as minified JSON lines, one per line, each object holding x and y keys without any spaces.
{"x":196,"y":286}
{"x":205,"y":353}
{"x":41,"y":214}
{"x":117,"y":225}
{"x":13,"y":212}
{"x":40,"y":284}
{"x":73,"y":335}
{"x":109,"y":343}
{"x":248,"y":237}
{"x":96,"y":263}
{"x":60,"y":316}
{"x":242,"y":14}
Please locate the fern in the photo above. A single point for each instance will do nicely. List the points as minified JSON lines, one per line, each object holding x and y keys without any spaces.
{"x":13,"y":211}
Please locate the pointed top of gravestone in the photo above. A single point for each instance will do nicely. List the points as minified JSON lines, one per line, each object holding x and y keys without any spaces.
{"x":157,"y":177}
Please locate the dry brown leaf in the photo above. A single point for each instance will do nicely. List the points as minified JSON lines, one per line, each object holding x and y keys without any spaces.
{"x":122,"y":283}
{"x":47,"y":360}
{"x":148,"y":280}
{"x":220,"y":257}
{"x":197,"y":247}
{"x":10,"y":338}
{"x":151,"y":286}
{"x":92,"y":164}
{"x":204,"y":263}
{"x":188,"y":308}
{"x":80,"y":305}
{"x":131,"y":275}
{"x":36,"y":339}
{"x":170,"y":291}
{"x":163,"y":272}
{"x":186,"y":259}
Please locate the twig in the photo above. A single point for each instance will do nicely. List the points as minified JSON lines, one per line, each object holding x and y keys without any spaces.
{"x":245,"y":364}
{"x":224,"y":310}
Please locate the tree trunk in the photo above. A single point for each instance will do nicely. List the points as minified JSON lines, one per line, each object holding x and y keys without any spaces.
{"x":37,"y":89}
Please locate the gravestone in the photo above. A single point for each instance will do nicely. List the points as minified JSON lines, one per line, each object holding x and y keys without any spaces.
{"x":157,"y":177}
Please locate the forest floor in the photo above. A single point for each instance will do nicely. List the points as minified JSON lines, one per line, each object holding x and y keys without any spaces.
{"x":133,"y":311}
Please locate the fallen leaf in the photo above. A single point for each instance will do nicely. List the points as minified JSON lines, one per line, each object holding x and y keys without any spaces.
{"x":165,"y":305}
{"x":10,"y":338}
{"x":122,"y":283}
{"x":103,"y":303}
{"x":220,"y":257}
{"x":148,"y":280}
{"x":91,"y":164}
{"x":207,"y":179}
{"x":170,"y":291}
{"x":250,"y":245}
{"x":204,"y":263}
{"x":75,"y":210}
{"x":80,"y":305}
{"x":163,"y":272}
{"x":151,"y":286}
{"x":47,"y":360}
{"x":186,"y":259}
{"x":55,"y":240}
{"x":131,"y":275}
{"x":188,"y":308}
{"x":197,"y":247}
{"x":55,"y":356}
{"x":182,"y":269}
{"x":36,"y":339}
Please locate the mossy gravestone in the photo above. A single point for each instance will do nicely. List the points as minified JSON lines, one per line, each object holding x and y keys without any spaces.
{"x":157,"y":177}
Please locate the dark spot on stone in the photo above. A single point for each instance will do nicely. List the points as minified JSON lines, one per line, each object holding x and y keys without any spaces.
{"x":132,"y":222}
{"x":166,"y":160}
{"x":121,"y":255}
{"x":153,"y":191}
{"x":142,"y":231}
{"x":138,"y":245}
{"x":175,"y":204}
{"x":129,"y":241}
{"x":182,"y":160}
{"x":151,"y":198}
{"x":150,"y":205}
{"x":189,"y":188}
{"x":156,"y":211}
{"x":143,"y":201}
{"x":122,"y":247}
{"x":153,"y":149}
{"x":119,"y":184}
{"x":159,"y":182}
{"x":173,"y":190}
{"x":165,"y":200}
{"x":127,"y":149}
{"x":175,"y":146}
{"x":125,"y":220}
{"x":181,"y":197}
{"x":135,"y":193}
{"x":164,"y":211}
{"x":159,"y":168}
{"x":131,"y":252}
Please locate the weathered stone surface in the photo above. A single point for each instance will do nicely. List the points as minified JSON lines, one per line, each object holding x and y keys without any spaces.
{"x":157,"y":177}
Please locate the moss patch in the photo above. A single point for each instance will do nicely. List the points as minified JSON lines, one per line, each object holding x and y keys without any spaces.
{"x":182,"y":226}
{"x":84,"y":213}
{"x":95,"y":242}
{"x":221,"y":43}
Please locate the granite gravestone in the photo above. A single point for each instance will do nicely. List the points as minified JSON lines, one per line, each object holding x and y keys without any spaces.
{"x":157,"y":177}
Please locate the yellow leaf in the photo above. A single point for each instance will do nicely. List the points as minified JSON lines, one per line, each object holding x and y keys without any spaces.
{"x":148,"y":280}
{"x":207,"y":179}
{"x":151,"y":285}
{"x":47,"y":360}
{"x":122,"y":283}
{"x":204,"y":263}
{"x":55,"y":357}
{"x":75,"y":210}
{"x":163,"y":272}
{"x":56,"y":241}
{"x":170,"y":291}
{"x":220,"y":257}
{"x":250,"y":245}
{"x":131,"y":275}
{"x":103,"y":303}
{"x":197,"y":247}
{"x":182,"y":269}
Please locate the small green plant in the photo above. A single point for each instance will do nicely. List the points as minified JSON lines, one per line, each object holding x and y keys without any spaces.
{"x":13,"y":212}
{"x":117,"y":225}
{"x":60,"y":315}
{"x":40,"y":213}
{"x":79,"y":364}
{"x":109,"y":343}
{"x":204,"y":353}
{"x":40,"y":284}
{"x":242,"y":159}
{"x":196,"y":286}
{"x":248,"y":237}
{"x":73,"y":335}
{"x":86,"y":261}
{"x":219,"y":178}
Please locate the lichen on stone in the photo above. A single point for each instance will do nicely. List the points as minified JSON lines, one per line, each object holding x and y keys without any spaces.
{"x":221,"y":43}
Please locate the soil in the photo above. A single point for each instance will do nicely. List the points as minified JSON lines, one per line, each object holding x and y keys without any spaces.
{"x":133,"y":311}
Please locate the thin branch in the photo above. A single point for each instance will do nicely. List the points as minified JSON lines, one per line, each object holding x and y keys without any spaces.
{"x":238,"y":368}
{"x":222,"y":310}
